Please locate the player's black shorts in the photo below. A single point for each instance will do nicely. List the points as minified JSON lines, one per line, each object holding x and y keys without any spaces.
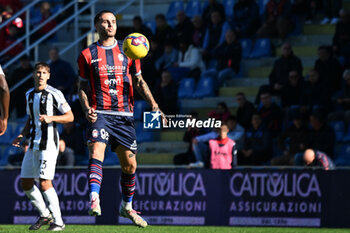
{"x":113,"y":129}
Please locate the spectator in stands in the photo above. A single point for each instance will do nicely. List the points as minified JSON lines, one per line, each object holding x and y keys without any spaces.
{"x":222,"y":150}
{"x":165,"y":94}
{"x":342,"y":102}
{"x":184,"y":27}
{"x":277,"y":20}
{"x":200,"y":143}
{"x":14,"y":5}
{"x":169,"y":57}
{"x":329,"y":69}
{"x":281,"y":68}
{"x":331,"y":9}
{"x":18,"y":95}
{"x":246,"y":20}
{"x":315,"y":158}
{"x":221,"y":112}
{"x":257,"y":144}
{"x":245,"y":110}
{"x":62,"y":73}
{"x":270,"y":114}
{"x":45,"y":10}
{"x":291,"y":93}
{"x":341,"y":38}
{"x":16,"y":159}
{"x":163,"y":31}
{"x":10,"y":37}
{"x":315,"y":93}
{"x":190,"y":58}
{"x":73,"y":137}
{"x":65,"y":155}
{"x":321,"y":136}
{"x":198,"y":31}
{"x":214,"y":35}
{"x":190,"y":134}
{"x":228,"y":56}
{"x":139,"y":27}
{"x":292,"y":141}
{"x":212,"y":6}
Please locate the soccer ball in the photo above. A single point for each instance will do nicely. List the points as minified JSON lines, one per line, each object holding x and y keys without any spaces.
{"x":135,"y":46}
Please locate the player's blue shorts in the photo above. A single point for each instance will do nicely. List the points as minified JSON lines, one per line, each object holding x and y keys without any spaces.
{"x":113,"y":129}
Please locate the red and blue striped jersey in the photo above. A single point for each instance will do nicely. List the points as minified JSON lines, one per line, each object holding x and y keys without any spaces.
{"x":109,"y":71}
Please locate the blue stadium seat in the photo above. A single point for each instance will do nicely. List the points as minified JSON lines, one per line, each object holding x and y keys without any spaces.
{"x":186,"y":88}
{"x":297,"y":26}
{"x":246,"y":45}
{"x":262,"y":48}
{"x":343,"y":156}
{"x":262,"y":5}
{"x":151,"y":25}
{"x":193,"y":8}
{"x":174,"y":7}
{"x":339,"y":129}
{"x":8,"y":151}
{"x":139,"y":107}
{"x":205,"y":88}
{"x":111,"y":158}
{"x":8,"y":136}
{"x":228,"y":5}
{"x":143,"y":135}
{"x":178,"y":73}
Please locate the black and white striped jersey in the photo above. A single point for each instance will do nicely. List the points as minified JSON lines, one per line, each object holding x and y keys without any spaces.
{"x":49,"y":102}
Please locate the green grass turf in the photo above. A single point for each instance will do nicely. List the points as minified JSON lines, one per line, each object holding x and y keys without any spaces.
{"x":171,"y":229}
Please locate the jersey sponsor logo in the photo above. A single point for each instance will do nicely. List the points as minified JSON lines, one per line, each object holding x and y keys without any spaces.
{"x":110,"y":70}
{"x":113,"y":92}
{"x":95,"y":133}
{"x":96,"y":60}
{"x":113,"y":82}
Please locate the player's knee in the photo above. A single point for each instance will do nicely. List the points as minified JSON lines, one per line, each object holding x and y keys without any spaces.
{"x":129,"y":168}
{"x":45,"y":184}
{"x":27,"y":184}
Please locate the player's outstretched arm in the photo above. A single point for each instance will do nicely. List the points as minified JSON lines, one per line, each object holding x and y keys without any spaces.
{"x":143,"y":89}
{"x":16,"y":142}
{"x":4,"y":104}
{"x":83,"y":91}
{"x":62,"y":119}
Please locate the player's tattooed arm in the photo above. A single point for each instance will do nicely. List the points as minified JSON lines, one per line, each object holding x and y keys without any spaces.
{"x":143,"y":89}
{"x":83,"y":92}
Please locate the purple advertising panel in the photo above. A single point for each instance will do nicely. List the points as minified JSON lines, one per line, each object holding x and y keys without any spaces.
{"x":243,"y":197}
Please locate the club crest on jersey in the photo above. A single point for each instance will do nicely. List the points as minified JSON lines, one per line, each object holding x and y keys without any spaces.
{"x":95,"y":133}
{"x":121,"y":57}
{"x":138,"y":41}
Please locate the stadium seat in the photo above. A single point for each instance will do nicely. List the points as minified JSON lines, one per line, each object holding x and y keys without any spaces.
{"x":339,"y":129}
{"x":139,"y":107}
{"x":262,"y":5}
{"x":343,"y":156}
{"x":262,"y":48}
{"x":246,"y":45}
{"x":151,"y":25}
{"x":205,"y":88}
{"x":297,"y":27}
{"x":9,"y":150}
{"x":186,"y":88}
{"x":174,"y":7}
{"x":228,"y":5}
{"x":143,"y":135}
{"x":178,"y":73}
{"x":193,"y":8}
{"x":111,"y":158}
{"x":8,"y":136}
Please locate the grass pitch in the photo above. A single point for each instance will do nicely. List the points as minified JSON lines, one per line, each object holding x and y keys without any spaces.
{"x":171,"y":229}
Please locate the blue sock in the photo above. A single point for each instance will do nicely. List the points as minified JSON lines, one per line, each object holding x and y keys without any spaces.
{"x":95,"y":175}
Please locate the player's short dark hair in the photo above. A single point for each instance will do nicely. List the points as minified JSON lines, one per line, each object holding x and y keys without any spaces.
{"x":41,"y":64}
{"x":138,"y":18}
{"x":160,"y":16}
{"x":231,"y":118}
{"x":99,"y":14}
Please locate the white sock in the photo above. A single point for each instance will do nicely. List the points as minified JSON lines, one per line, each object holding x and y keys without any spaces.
{"x":37,"y":200}
{"x":127,"y":205}
{"x":94,"y":195}
{"x":51,"y":197}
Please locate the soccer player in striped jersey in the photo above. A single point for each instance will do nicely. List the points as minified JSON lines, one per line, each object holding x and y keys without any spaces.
{"x":106,"y":83}
{"x":43,"y":104}
{"x":4,"y":102}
